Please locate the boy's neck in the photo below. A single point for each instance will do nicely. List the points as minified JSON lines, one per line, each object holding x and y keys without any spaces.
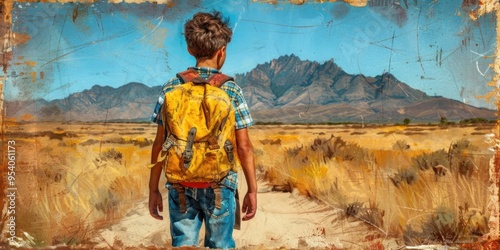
{"x":216,"y":61}
{"x":207,"y":64}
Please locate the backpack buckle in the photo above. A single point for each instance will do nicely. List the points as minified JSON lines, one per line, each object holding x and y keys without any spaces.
{"x":188,"y":152}
{"x":228,"y":146}
{"x":167,"y":144}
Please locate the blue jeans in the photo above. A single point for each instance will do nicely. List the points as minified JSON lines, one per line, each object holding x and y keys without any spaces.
{"x":200,"y":204}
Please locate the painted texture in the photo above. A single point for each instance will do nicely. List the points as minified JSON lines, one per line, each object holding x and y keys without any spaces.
{"x":487,"y":7}
{"x":357,"y":3}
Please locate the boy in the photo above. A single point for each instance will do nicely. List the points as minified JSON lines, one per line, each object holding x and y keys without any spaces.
{"x":207,"y":36}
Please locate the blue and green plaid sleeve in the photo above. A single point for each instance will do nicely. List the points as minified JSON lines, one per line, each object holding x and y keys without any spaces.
{"x":242,"y":112}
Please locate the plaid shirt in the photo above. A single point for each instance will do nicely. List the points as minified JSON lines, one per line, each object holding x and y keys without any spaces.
{"x":243,"y":117}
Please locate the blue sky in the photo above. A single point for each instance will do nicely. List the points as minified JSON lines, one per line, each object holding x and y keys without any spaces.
{"x":436,"y":49}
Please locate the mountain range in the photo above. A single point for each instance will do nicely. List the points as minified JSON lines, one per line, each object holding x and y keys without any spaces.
{"x":285,"y":90}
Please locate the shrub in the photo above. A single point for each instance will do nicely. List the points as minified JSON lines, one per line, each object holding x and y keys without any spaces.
{"x":474,"y":120}
{"x":144,"y":142}
{"x":407,"y":175}
{"x":336,"y":147}
{"x":112,"y":154}
{"x":446,"y":226}
{"x":89,"y":142}
{"x":460,"y":157}
{"x":406,"y":121}
{"x":401,"y":145}
{"x":443,"y":120}
{"x":371,"y":215}
{"x":426,"y":161}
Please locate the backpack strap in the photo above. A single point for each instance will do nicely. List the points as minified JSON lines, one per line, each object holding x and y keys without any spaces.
{"x":192,"y":75}
{"x":181,"y":190}
{"x":218,"y":80}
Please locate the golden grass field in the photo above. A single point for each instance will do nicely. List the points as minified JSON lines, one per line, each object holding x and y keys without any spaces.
{"x":421,"y":184}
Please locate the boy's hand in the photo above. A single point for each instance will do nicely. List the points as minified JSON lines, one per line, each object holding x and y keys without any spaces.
{"x":155,"y":204}
{"x":249,"y":206}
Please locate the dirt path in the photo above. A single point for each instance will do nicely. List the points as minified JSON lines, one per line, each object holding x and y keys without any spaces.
{"x":287,"y":220}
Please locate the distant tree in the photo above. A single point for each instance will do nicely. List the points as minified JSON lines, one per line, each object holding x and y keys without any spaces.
{"x":474,"y":120}
{"x":443,"y":120}
{"x":406,"y":121}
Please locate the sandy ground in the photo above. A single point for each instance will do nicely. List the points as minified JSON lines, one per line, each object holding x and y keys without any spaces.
{"x":284,"y":220}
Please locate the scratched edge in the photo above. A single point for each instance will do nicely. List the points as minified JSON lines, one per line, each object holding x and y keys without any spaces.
{"x":494,"y":171}
{"x":5,"y":20}
{"x":488,"y":6}
{"x":495,"y":162}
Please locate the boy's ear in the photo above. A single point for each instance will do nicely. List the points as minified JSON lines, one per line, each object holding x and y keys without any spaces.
{"x":190,"y":51}
{"x":222,"y":49}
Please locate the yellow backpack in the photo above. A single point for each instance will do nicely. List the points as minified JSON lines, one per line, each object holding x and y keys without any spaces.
{"x":199,"y":120}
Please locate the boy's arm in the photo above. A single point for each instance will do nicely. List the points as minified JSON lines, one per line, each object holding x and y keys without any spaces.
{"x":155,"y":198}
{"x":245,"y":154}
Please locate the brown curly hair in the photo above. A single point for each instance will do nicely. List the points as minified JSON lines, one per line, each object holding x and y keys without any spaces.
{"x":206,"y":33}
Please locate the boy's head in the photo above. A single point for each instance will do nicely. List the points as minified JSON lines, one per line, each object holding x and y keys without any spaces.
{"x":206,"y":33}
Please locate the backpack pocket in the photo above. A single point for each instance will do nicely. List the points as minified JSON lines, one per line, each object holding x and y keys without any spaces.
{"x":207,"y":165}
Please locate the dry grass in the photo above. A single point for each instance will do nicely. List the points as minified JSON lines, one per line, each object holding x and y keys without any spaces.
{"x":423,"y":184}
{"x":76,"y":178}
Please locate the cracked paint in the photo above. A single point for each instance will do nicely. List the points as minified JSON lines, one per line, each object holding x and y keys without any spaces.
{"x":475,"y":9}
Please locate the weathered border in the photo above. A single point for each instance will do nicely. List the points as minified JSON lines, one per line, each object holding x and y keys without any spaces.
{"x":5,"y":57}
{"x":486,"y":6}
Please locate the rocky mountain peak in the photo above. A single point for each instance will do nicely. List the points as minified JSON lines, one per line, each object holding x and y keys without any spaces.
{"x":287,"y":89}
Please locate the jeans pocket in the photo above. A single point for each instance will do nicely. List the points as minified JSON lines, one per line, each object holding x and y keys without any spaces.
{"x":227,"y":204}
